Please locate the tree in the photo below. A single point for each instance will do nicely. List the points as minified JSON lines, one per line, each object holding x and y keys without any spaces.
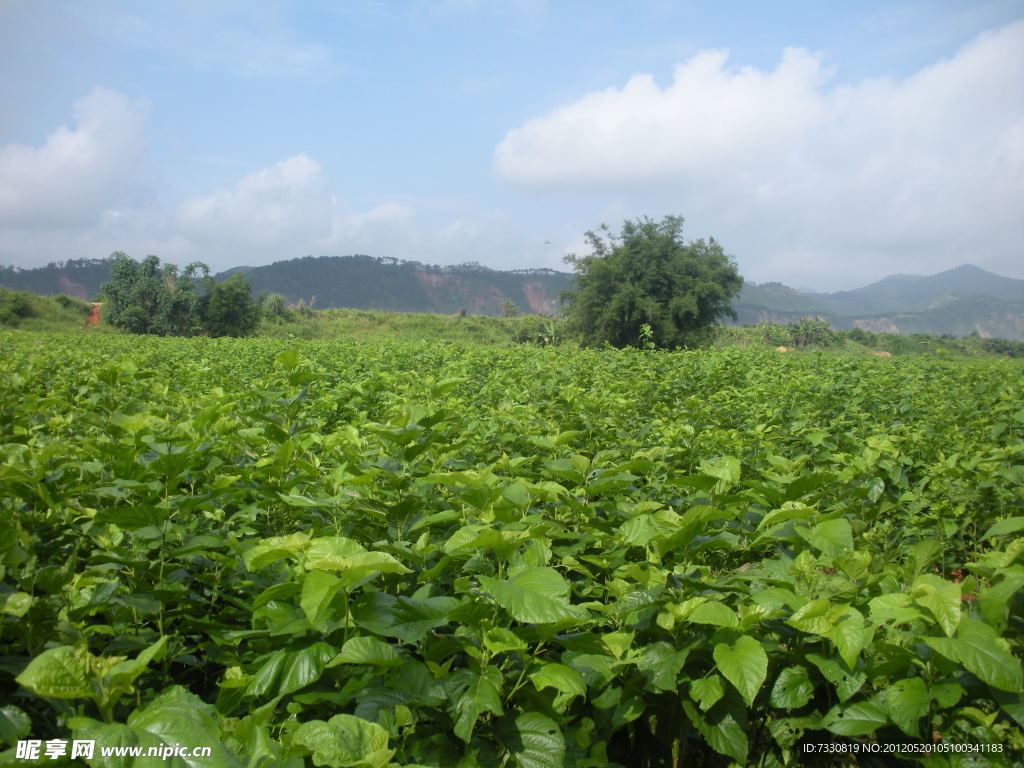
{"x":648,"y":275}
{"x":143,"y":297}
{"x":230,"y":310}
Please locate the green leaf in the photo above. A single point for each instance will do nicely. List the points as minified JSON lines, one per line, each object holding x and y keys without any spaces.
{"x":706,"y":691}
{"x":1005,"y":527}
{"x":744,"y":664}
{"x":501,"y":640}
{"x":813,"y":617}
{"x":63,"y":673}
{"x":723,"y":468}
{"x":534,"y":741}
{"x":368,"y":650}
{"x":714,"y":613}
{"x":723,"y":732}
{"x":304,"y":666}
{"x":661,"y":662}
{"x":857,"y":719}
{"x":475,"y":694}
{"x":15,"y":604}
{"x":14,"y":724}
{"x":318,"y":589}
{"x":940,"y":597}
{"x":850,"y":636}
{"x":895,"y":607}
{"x":907,"y":702}
{"x":793,"y":688}
{"x":831,"y":537}
{"x":345,"y":741}
{"x":176,"y":716}
{"x":560,"y":677}
{"x":275,"y":548}
{"x":535,"y":596}
{"x":983,"y":654}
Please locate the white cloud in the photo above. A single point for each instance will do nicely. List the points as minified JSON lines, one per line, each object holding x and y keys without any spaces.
{"x":802,"y":178}
{"x":79,"y":172}
{"x":286,"y":205}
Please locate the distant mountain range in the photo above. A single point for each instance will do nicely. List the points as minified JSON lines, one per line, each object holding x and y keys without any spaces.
{"x":959,"y":301}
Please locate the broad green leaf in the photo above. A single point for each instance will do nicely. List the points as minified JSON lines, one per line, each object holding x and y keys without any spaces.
{"x":345,"y":741}
{"x":850,"y":635}
{"x":940,"y":597}
{"x":791,"y":510}
{"x":707,"y":691}
{"x":63,"y":673}
{"x":534,"y":596}
{"x":368,"y":650}
{"x":275,"y":548}
{"x":857,"y":719}
{"x":304,"y":666}
{"x":1005,"y":527}
{"x":895,"y":607}
{"x":501,"y":640}
{"x":318,"y":589}
{"x":534,"y":741}
{"x":725,"y":468}
{"x":813,"y":617}
{"x":831,"y":537}
{"x":907,"y":702}
{"x":715,"y":613}
{"x":847,"y":682}
{"x":176,"y":716}
{"x":793,"y":688}
{"x":475,"y":694}
{"x":331,"y":553}
{"x":981,"y":651}
{"x":14,"y":724}
{"x":124,"y":673}
{"x":15,"y":604}
{"x":744,"y":664}
{"x":560,"y":677}
{"x":661,"y":662}
{"x":721,"y":729}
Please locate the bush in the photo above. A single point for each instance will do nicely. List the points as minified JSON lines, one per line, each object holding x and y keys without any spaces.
{"x":15,"y":306}
{"x":812,"y":330}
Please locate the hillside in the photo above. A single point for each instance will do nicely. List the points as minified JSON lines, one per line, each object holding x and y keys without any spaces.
{"x":961,"y":301}
{"x":365,"y":282}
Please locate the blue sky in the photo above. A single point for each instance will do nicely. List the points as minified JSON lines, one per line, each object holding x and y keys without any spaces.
{"x":823,"y":145}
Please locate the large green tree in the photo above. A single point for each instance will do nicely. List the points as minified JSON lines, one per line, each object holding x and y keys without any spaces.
{"x":231,"y":310}
{"x":646,"y":284}
{"x":145,"y":297}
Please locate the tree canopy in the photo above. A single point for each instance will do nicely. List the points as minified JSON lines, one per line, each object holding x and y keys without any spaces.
{"x":646,"y":284}
{"x":145,"y":297}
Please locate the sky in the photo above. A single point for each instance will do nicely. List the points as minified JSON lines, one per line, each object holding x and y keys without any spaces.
{"x":823,"y":145}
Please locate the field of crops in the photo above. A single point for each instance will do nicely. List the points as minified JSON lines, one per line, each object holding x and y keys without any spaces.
{"x":378,"y":555}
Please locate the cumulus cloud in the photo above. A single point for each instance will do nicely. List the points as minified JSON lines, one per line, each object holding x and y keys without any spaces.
{"x":800,"y":175}
{"x":80,"y":172}
{"x":288,"y":203}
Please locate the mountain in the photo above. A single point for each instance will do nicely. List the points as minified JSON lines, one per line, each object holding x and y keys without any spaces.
{"x":80,"y":278}
{"x":903,"y":293}
{"x":364,"y":282}
{"x":959,"y":301}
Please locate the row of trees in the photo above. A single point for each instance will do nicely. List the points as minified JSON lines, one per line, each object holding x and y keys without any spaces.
{"x":147,"y":297}
{"x":645,"y":286}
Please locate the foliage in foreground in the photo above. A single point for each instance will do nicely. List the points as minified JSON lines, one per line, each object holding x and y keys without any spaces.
{"x":440,"y":555}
